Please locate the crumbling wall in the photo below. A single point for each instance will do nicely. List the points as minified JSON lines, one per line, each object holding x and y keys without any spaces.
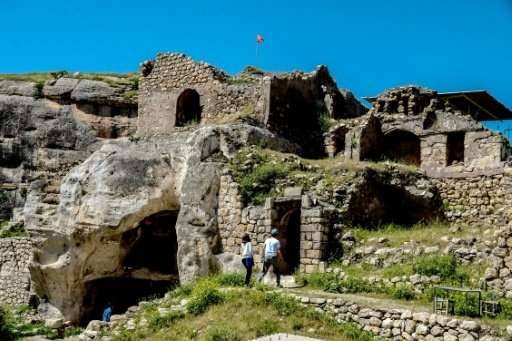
{"x":15,"y":256}
{"x":163,"y":81}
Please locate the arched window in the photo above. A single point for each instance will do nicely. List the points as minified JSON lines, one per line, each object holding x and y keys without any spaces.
{"x":188,"y":108}
{"x":402,"y":146}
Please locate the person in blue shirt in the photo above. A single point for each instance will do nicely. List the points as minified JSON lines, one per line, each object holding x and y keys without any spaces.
{"x":271,"y":251}
{"x":107,"y":313}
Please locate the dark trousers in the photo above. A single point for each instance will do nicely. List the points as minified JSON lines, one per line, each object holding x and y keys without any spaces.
{"x":248,"y":269}
{"x":271,"y":262}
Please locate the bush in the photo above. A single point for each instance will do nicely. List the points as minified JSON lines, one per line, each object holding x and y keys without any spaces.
{"x":283,"y":304}
{"x":402,"y":292}
{"x":257,"y":185}
{"x":222,"y":334}
{"x":231,"y":279}
{"x":5,"y":330}
{"x":442,"y":266}
{"x":318,"y":280}
{"x":159,"y":322}
{"x":266,"y":327}
{"x":355,"y":285}
{"x":203,"y":295}
{"x":38,"y":89}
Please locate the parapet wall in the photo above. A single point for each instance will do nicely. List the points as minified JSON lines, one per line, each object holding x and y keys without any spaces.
{"x":15,"y":256}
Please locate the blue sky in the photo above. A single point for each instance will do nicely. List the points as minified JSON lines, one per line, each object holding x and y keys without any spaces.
{"x":369,"y":46}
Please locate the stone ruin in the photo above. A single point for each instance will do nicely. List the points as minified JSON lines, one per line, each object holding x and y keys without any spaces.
{"x":123,"y":200}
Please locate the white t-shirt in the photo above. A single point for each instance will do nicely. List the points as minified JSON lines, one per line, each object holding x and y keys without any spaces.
{"x":246,"y":250}
{"x":272,"y":246}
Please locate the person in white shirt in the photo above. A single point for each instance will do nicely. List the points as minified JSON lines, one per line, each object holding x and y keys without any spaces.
{"x":247,"y":258}
{"x":271,"y":252}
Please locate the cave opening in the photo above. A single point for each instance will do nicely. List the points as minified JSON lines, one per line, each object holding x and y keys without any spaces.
{"x":120,"y":293}
{"x":287,"y":219}
{"x":148,"y":268}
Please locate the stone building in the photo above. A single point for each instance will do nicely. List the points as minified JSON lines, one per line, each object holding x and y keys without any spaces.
{"x":440,"y":132}
{"x":177,"y":92}
{"x":118,"y":215}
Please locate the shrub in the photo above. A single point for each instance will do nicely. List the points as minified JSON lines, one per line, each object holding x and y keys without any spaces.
{"x":355,"y":285}
{"x":256,"y":185}
{"x":442,"y":266}
{"x":319,"y":280}
{"x":159,"y":322}
{"x":5,"y":329}
{"x":203,"y":295}
{"x":222,"y":334}
{"x":38,"y":89}
{"x":402,"y":292}
{"x":72,"y":331}
{"x":283,"y":304}
{"x":266,"y":327}
{"x":235,"y":279}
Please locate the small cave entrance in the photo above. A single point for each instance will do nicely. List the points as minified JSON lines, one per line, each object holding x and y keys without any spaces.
{"x":455,"y":148}
{"x":121,"y":293}
{"x":188,"y":108}
{"x":287,"y":219}
{"x":402,"y":146}
{"x":148,"y":267}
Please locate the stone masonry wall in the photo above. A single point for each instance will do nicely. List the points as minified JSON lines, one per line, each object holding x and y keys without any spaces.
{"x":480,"y":200}
{"x":402,"y":324}
{"x":165,"y":79}
{"x":235,"y":220}
{"x":15,"y":256}
{"x":499,"y":274}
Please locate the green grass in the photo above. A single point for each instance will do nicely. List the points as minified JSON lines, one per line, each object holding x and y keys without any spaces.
{"x":241,"y":314}
{"x":114,"y":79}
{"x":425,"y":233}
{"x":14,"y":231}
{"x":262,"y":173}
{"x":14,"y":325}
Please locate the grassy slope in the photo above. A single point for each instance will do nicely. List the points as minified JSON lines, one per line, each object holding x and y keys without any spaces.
{"x":218,"y":309}
{"x":110,"y":78}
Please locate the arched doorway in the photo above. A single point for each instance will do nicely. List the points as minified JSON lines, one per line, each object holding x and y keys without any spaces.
{"x":402,"y":146}
{"x":188,"y":108}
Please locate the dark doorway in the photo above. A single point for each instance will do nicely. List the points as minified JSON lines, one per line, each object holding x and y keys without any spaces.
{"x":287,"y":221}
{"x":188,"y":108}
{"x":153,"y":244}
{"x":121,"y":293}
{"x":402,"y":146}
{"x":455,"y":148}
{"x":337,"y":142}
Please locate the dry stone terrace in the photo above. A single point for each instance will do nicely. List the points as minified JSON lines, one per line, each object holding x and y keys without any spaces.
{"x":99,"y":180}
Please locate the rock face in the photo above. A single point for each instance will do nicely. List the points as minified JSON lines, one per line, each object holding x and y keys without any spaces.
{"x":47,"y":129}
{"x":108,"y":202}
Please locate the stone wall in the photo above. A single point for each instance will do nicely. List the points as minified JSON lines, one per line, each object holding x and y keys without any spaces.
{"x":164,"y":80}
{"x":499,"y":274}
{"x":235,"y":220}
{"x":402,"y":324}
{"x":15,"y":256}
{"x":480,"y":200}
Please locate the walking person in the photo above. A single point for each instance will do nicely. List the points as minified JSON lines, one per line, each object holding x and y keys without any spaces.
{"x":271,"y":252}
{"x":247,"y":258}
{"x":107,"y":313}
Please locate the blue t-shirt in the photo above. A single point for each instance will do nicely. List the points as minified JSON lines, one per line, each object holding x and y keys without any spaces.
{"x":107,"y":313}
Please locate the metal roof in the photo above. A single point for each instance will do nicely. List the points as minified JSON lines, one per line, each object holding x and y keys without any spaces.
{"x":478,"y":103}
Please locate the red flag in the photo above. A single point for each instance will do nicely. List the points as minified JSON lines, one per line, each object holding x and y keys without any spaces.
{"x":259,"y":39}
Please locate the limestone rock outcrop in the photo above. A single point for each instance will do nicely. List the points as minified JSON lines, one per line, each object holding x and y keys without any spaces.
{"x":104,"y":201}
